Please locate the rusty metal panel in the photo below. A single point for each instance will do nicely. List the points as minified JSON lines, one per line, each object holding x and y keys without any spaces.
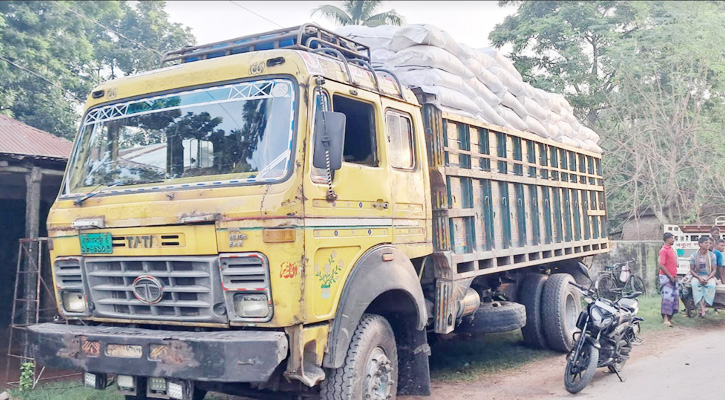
{"x":19,"y":138}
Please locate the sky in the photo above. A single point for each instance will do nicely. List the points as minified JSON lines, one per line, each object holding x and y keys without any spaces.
{"x":468,"y":22}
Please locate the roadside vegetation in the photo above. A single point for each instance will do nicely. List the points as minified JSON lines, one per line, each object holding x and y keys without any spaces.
{"x":467,"y":358}
{"x":74,"y":390}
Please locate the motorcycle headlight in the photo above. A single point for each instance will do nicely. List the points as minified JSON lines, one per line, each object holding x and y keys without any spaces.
{"x":597,"y":317}
{"x":600,"y":320}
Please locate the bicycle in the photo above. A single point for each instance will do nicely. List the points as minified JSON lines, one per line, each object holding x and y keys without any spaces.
{"x":618,"y":279}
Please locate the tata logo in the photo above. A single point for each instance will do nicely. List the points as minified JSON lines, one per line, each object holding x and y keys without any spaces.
{"x":148,"y":289}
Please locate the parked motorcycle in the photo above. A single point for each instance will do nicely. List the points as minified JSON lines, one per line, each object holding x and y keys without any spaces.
{"x":607,"y":331}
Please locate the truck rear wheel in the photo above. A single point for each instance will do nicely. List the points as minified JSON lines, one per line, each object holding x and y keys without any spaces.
{"x":370,"y":370}
{"x":561,"y":307}
{"x":497,"y":316}
{"x":530,"y":295}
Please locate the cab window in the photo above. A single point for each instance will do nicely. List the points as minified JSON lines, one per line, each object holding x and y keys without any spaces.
{"x":360,"y":144}
{"x":400,"y":136}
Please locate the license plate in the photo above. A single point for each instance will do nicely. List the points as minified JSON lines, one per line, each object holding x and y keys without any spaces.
{"x":96,"y":243}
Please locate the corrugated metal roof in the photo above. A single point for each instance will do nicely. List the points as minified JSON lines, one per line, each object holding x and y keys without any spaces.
{"x":19,"y":138}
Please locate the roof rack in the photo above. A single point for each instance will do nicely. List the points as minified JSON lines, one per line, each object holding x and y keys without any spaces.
{"x":307,"y":37}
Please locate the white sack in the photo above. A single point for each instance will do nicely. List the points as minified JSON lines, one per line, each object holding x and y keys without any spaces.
{"x":373,"y":37}
{"x":452,"y":99}
{"x":435,"y":77}
{"x":502,"y":61}
{"x":553,"y":130}
{"x":534,"y":109}
{"x":484,"y":59}
{"x":568,"y":141}
{"x":425,"y":34}
{"x":511,"y":118}
{"x":381,"y":55}
{"x":483,"y":75}
{"x":565,"y":129}
{"x":536,"y":127}
{"x":429,"y":56}
{"x":512,"y":84}
{"x":588,"y":134}
{"x":510,"y":101}
{"x":488,"y":113}
{"x":554,"y":118}
{"x":483,"y":91}
{"x":540,"y":96}
{"x":594,"y":147}
{"x":455,"y":111}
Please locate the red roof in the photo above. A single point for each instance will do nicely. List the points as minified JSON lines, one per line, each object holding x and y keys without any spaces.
{"x":19,"y":138}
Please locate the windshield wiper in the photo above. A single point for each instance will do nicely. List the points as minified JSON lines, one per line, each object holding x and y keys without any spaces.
{"x":101,"y":188}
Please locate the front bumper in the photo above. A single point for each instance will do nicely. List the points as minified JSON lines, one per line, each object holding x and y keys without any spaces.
{"x":218,"y":356}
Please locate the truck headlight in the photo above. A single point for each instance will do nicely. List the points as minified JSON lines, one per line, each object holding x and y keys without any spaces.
{"x":73,"y":302}
{"x":251,"y":305}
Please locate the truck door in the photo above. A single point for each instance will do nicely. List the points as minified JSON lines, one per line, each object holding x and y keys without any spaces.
{"x":408,"y":181}
{"x":338,"y":232}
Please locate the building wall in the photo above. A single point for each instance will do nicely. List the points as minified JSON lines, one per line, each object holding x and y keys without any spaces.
{"x":645,"y":228}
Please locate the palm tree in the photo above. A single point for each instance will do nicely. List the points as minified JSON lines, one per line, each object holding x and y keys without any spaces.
{"x":359,"y":13}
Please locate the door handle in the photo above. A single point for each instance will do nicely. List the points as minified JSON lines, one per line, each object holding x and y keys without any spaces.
{"x":380,"y":204}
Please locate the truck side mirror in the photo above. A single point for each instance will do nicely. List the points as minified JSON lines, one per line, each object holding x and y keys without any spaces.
{"x":329,"y":139}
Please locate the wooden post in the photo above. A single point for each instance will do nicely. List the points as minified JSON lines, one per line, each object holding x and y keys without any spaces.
{"x":32,"y":229}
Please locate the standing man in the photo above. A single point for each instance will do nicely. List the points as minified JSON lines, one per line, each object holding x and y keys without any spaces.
{"x":714,"y":236}
{"x":720,"y":258}
{"x":668,"y":279}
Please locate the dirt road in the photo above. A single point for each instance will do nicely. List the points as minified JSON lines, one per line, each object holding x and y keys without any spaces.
{"x":666,"y":366}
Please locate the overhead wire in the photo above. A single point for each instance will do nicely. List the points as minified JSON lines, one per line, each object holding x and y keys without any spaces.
{"x":56,"y":85}
{"x":255,"y":13}
{"x":114,"y":31}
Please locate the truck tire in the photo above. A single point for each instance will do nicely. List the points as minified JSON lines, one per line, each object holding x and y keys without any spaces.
{"x":561,"y":307}
{"x":370,"y":370}
{"x":530,"y":296}
{"x":497,"y":316}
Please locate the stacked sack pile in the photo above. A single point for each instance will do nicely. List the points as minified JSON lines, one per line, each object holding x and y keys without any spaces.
{"x":477,"y":83}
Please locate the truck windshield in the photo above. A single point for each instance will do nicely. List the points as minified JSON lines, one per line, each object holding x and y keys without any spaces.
{"x":236,"y":133}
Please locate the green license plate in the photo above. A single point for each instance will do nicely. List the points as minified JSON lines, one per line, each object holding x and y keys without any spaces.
{"x":96,"y":243}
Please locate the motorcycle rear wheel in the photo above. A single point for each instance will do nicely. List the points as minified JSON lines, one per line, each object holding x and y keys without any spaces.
{"x":580,"y":372}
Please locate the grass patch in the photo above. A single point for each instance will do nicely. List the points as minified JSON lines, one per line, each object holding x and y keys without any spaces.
{"x":66,"y":390}
{"x":465,"y":358}
{"x":74,"y":390}
{"x":649,"y":309}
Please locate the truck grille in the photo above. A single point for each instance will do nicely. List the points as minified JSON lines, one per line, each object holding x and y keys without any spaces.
{"x":68,"y":273}
{"x":190,"y":288}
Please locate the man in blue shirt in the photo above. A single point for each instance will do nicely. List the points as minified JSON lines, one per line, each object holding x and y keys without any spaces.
{"x":719,"y":250}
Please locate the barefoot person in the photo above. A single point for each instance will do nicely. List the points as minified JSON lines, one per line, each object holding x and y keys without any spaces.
{"x":668,"y":279}
{"x":702,"y":267}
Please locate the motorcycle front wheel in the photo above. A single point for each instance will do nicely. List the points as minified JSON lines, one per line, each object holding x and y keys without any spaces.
{"x":580,"y":371}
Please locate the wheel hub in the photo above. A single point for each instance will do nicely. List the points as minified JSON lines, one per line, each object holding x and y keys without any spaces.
{"x":378,"y":376}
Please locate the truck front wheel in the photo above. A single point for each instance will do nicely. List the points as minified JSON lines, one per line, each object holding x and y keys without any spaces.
{"x":370,"y":370}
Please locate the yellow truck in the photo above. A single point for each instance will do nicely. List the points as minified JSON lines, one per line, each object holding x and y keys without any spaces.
{"x":273,"y":214}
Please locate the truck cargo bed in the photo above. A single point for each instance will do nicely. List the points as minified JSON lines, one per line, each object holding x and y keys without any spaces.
{"x":505,"y":199}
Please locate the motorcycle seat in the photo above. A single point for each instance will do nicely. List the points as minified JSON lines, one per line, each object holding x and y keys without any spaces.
{"x":627,"y":304}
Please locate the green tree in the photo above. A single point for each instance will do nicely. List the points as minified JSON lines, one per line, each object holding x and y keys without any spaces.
{"x":563,"y":46}
{"x":54,"y":52}
{"x":663,"y":129}
{"x":648,"y":77}
{"x":359,"y":13}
